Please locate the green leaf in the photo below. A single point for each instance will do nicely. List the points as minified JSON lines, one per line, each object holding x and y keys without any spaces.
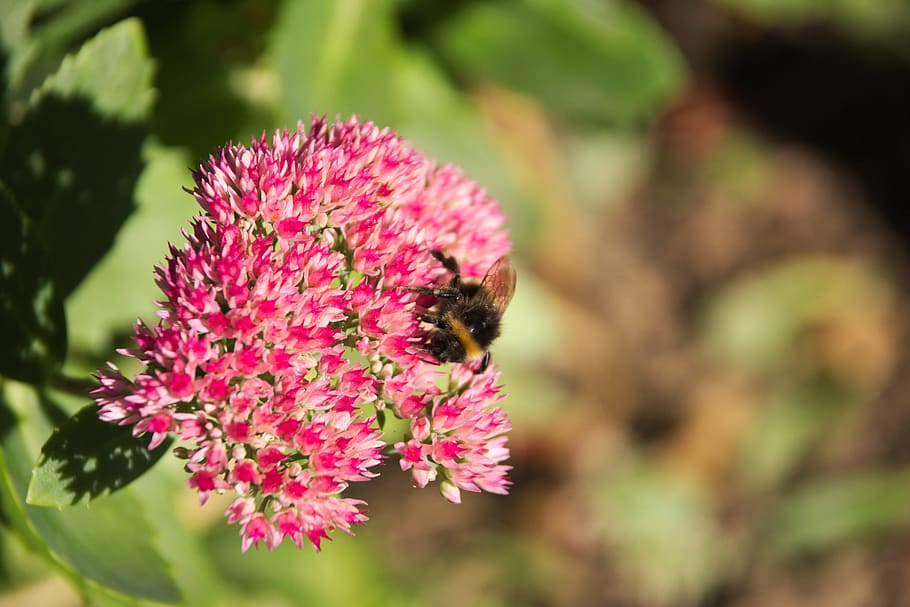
{"x":336,"y":57}
{"x":875,"y":20}
{"x":86,"y":458}
{"x":612,"y":66}
{"x":73,"y":162}
{"x":32,"y":321}
{"x":787,"y":428}
{"x":165,"y":497}
{"x":112,"y":72}
{"x":343,"y":58}
{"x":110,"y":542}
{"x":758,"y":321}
{"x":322,"y":578}
{"x":14,"y":22}
{"x":662,"y":529}
{"x":36,"y":35}
{"x":830,"y":513}
{"x":95,"y":311}
{"x":440,"y":121}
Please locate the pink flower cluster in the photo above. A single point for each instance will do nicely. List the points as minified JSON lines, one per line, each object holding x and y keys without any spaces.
{"x":287,"y":331}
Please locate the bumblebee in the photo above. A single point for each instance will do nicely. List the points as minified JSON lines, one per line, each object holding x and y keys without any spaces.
{"x":468,"y":313}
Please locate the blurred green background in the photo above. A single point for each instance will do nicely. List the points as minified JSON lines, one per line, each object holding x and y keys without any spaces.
{"x":706,"y":354}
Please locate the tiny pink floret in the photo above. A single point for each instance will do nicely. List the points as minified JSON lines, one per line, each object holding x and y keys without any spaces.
{"x":287,"y":325}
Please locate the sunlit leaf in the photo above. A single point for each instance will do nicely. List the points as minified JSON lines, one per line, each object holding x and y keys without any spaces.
{"x":121,"y":287}
{"x":758,"y":321}
{"x":609,"y":65}
{"x":440,"y":121}
{"x":336,"y":57}
{"x":164,"y":495}
{"x":343,"y":58}
{"x":662,"y":530}
{"x":86,"y":458}
{"x":109,"y":542}
{"x":826,"y":514}
{"x":788,"y":426}
{"x":859,"y":16}
{"x":36,"y":36}
{"x":73,"y":162}
{"x":348,"y":571}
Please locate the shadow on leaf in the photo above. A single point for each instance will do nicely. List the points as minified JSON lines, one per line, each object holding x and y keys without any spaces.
{"x":86,"y":458}
{"x":32,"y":320}
{"x":73,"y":172}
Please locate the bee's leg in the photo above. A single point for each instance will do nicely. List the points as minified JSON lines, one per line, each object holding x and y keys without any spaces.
{"x":448,"y":292}
{"x":484,"y":363}
{"x":423,"y":290}
{"x":447,"y":262}
{"x":432,"y":319}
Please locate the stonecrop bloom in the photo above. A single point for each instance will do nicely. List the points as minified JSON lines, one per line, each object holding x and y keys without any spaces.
{"x":288,"y":331}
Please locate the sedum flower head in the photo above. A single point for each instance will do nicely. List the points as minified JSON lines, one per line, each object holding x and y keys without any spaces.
{"x":287,"y":330}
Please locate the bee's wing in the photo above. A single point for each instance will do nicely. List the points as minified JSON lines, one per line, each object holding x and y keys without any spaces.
{"x":499,"y":282}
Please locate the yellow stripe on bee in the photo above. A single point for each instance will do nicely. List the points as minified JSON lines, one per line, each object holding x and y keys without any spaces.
{"x":472,"y":349}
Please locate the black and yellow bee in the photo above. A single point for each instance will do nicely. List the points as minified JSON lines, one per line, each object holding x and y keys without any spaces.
{"x":467,"y":316}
